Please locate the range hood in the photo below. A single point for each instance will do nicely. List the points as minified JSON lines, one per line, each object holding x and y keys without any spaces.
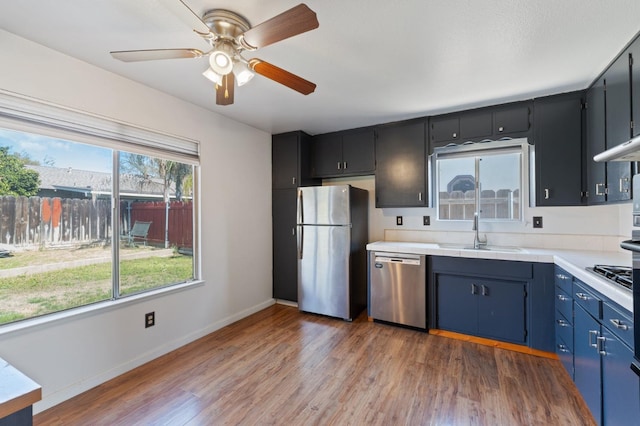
{"x":628,"y":151}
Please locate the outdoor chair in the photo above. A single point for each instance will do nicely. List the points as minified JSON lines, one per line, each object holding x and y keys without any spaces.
{"x":139,"y":230}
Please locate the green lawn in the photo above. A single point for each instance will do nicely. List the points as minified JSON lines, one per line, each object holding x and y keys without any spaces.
{"x":31,"y":295}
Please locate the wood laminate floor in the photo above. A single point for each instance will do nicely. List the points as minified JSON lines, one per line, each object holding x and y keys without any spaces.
{"x":283,"y":367}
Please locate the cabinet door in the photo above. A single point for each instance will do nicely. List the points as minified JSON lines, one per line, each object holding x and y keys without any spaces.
{"x":501,"y":310}
{"x":587,"y":360}
{"x":476,"y":125}
{"x":511,"y":119}
{"x":445,"y":130}
{"x":635,"y":85}
{"x":358,"y":153}
{"x":620,"y":385}
{"x":326,"y":155}
{"x":457,"y":307}
{"x":285,"y":262}
{"x":596,"y":172}
{"x":284,"y":160}
{"x":558,"y":145}
{"x":618,"y":126}
{"x":401,"y":179}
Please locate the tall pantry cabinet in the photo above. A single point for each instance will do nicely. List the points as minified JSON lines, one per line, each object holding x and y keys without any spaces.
{"x":290,"y":162}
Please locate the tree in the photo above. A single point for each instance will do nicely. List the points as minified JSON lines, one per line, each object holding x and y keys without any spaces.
{"x":148,"y":168}
{"x":15,"y":178}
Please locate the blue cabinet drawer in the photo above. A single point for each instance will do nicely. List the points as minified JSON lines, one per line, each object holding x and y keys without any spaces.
{"x":564,"y":330}
{"x":564,"y":304}
{"x":587,"y":299}
{"x":618,"y":322}
{"x":563,"y":279}
{"x":565,"y":353}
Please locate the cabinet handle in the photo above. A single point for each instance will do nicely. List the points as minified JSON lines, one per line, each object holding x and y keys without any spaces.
{"x":500,"y":129}
{"x":600,"y":345}
{"x":623,"y":187}
{"x":485,"y":290}
{"x":562,"y":277}
{"x":419,"y":196}
{"x":563,"y":323}
{"x":474,"y":289}
{"x":562,"y":348}
{"x":593,"y":333}
{"x":339,"y":165}
{"x":293,"y":180}
{"x":618,"y":324}
{"x":562,"y":298}
{"x":546,"y":194}
{"x":582,"y":296}
{"x":344,"y":165}
{"x":455,"y":135}
{"x":293,"y":231}
{"x":598,"y":186}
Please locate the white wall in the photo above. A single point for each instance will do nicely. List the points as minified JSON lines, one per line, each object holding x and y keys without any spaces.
{"x":581,"y":228}
{"x":69,"y":355}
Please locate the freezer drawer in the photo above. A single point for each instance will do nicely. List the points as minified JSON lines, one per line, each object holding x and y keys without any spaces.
{"x":398,"y":288}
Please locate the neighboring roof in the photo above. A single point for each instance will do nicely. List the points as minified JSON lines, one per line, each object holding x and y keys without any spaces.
{"x":68,"y":179}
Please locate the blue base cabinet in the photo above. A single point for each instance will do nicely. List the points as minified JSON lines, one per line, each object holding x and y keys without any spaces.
{"x":502,"y":300}
{"x":594,"y":337}
{"x":587,"y":360}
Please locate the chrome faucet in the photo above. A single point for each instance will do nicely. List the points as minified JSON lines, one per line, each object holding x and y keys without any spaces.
{"x":477,"y":241}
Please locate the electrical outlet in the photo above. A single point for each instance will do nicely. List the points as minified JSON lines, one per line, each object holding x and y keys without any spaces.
{"x":426,"y":220}
{"x":537,"y":221}
{"x":149,"y":319}
{"x":399,"y":220}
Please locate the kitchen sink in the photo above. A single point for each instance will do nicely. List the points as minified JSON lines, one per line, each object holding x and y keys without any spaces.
{"x":454,"y":246}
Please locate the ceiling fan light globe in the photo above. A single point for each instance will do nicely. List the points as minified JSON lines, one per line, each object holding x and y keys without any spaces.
{"x":221,"y":62}
{"x":213,"y":76}
{"x":242,"y":73}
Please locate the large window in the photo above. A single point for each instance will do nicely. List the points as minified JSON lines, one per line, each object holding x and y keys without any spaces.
{"x":484,"y":179}
{"x":83,"y":223}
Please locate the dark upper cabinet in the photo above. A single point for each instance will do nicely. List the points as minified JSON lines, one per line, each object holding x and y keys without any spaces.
{"x":509,"y":120}
{"x":348,"y":153}
{"x":618,"y":125}
{"x":326,"y":155}
{"x":557,"y":137}
{"x":635,"y":86}
{"x":401,"y":153}
{"x":512,"y":119}
{"x":358,"y":152}
{"x":596,"y":136}
{"x":290,"y":160}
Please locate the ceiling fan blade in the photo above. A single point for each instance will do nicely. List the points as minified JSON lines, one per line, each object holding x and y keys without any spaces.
{"x":188,"y":16}
{"x":294,"y":21}
{"x":281,"y":76}
{"x":224,"y":91}
{"x":155,"y":54}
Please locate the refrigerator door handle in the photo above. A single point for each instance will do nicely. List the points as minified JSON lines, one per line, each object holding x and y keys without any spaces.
{"x":300,"y":212}
{"x":300,"y":240}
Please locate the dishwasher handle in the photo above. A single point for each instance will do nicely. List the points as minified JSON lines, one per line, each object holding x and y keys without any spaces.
{"x":379,"y":260}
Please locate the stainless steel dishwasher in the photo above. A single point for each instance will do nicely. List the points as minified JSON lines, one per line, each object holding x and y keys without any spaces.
{"x":398,"y":288}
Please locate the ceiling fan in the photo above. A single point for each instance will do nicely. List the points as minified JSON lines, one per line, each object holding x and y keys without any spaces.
{"x":229,"y":34}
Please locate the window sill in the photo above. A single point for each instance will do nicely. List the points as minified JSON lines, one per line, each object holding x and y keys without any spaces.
{"x":93,"y":309}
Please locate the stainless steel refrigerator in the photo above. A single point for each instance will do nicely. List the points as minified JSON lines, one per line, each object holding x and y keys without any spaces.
{"x":332,"y":225}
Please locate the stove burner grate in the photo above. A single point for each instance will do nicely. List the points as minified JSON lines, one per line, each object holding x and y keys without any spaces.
{"x":622,"y":275}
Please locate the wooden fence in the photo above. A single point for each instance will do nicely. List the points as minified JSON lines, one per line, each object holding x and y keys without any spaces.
{"x":44,"y":221}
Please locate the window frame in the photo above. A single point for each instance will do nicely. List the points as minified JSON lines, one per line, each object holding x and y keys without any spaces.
{"x":477,"y":149}
{"x":24,"y":114}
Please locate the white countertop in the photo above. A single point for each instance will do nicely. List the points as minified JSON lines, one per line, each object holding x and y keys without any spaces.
{"x":573,"y":261}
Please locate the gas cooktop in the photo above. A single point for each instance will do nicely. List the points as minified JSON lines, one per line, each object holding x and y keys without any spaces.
{"x":621,"y":275}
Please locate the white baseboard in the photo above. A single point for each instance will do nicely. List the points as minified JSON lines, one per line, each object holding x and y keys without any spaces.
{"x":75,"y":389}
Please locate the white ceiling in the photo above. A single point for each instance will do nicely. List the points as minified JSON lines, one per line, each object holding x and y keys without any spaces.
{"x":374,"y":61}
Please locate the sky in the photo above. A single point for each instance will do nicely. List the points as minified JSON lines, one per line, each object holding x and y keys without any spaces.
{"x":57,"y":152}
